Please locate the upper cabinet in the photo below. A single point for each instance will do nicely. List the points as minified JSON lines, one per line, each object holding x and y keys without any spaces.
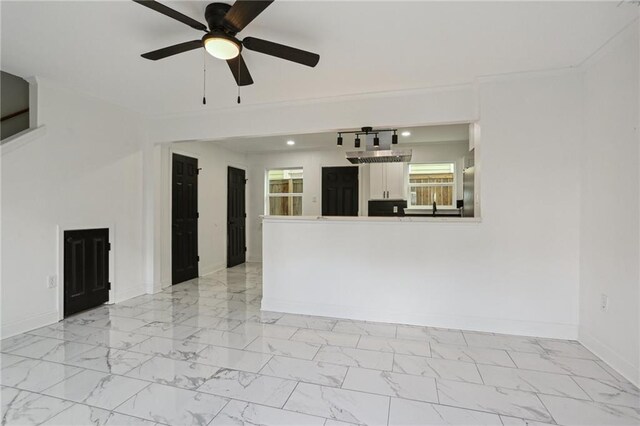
{"x":386,"y":181}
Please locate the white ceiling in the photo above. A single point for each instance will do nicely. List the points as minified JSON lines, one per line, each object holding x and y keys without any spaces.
{"x":327,"y":140}
{"x":95,"y":47}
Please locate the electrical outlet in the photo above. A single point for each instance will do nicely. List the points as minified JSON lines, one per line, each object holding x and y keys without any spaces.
{"x":52,"y":281}
{"x":604,"y":302}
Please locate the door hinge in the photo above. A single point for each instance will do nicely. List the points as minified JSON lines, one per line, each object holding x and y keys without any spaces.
{"x":108,"y":286}
{"x":198,"y":170}
{"x":198,"y":258}
{"x":245,"y":249}
{"x":108,"y":246}
{"x":245,"y":215}
{"x":198,"y":215}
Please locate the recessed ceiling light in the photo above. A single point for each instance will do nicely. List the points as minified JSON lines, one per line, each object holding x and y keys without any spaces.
{"x":406,"y":133}
{"x":290,"y":142}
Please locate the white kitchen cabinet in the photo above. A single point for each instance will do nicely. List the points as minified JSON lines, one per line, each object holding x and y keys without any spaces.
{"x":386,"y":181}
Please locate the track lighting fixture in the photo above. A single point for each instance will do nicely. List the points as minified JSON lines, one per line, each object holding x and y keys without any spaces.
{"x":369,"y":131}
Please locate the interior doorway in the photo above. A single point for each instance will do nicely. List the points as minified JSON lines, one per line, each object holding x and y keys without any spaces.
{"x":236,"y":217}
{"x":184,"y":218}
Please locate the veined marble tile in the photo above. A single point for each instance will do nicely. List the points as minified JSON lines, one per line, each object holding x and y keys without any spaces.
{"x":203,"y":321}
{"x":303,"y":321}
{"x":437,"y":368}
{"x":412,"y":413}
{"x":182,"y":350}
{"x":531,"y":381}
{"x":435,"y":335}
{"x":619,"y":377}
{"x":7,"y":359}
{"x":355,"y":357}
{"x":226,"y":339}
{"x":52,"y":349}
{"x":391,"y":384}
{"x":472,"y":354}
{"x":118,"y":323}
{"x":551,"y":364}
{"x":19,"y":341}
{"x":283,"y":347}
{"x":118,"y":310}
{"x":244,"y":413}
{"x":82,"y":415}
{"x":265,"y":330}
{"x":331,"y":422}
{"x":339,"y":404}
{"x":365,"y":328}
{"x":574,"y":412}
{"x":400,"y":346}
{"x":509,"y":402}
{"x":566,"y":348}
{"x":505,"y":342}
{"x":63,"y":331}
{"x":113,"y":339}
{"x":182,"y":374}
{"x":97,"y":389}
{"x":326,"y":337}
{"x":163,"y":329}
{"x":25,"y":408}
{"x":35,"y":375}
{"x":173,"y":406}
{"x":249,"y":387}
{"x":514,"y":421}
{"x":108,"y":360}
{"x":302,"y":370}
{"x":233,"y":358}
{"x":611,"y":391}
{"x":165,"y":316}
{"x":266,"y":317}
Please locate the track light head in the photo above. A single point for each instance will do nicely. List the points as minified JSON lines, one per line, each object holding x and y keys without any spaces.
{"x":339,"y":139}
{"x":376,"y":140}
{"x":394,"y":138}
{"x":357,"y":141}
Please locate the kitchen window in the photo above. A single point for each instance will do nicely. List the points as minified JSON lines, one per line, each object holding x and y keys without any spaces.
{"x":432,"y":182}
{"x":284,"y":192}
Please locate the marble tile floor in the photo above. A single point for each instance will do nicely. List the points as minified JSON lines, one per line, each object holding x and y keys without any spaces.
{"x":203,"y":353}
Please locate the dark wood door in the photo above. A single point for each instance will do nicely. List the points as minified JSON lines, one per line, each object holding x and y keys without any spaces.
{"x":86,"y":269}
{"x":340,"y":191}
{"x":236,"y":217}
{"x":184,"y":236}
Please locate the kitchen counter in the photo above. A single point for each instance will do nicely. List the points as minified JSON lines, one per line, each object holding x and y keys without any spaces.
{"x":370,"y":219}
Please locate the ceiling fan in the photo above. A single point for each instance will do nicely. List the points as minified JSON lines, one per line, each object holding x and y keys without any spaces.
{"x":225,"y":22}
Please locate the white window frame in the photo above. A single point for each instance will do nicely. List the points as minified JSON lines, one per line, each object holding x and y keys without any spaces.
{"x":409,"y":185}
{"x":268,"y":194}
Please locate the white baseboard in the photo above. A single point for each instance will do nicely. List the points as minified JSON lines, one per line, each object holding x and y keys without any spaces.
{"x":492,"y":325}
{"x":130,"y":294}
{"x":210,"y":269}
{"x":611,"y":357}
{"x":28,"y":324}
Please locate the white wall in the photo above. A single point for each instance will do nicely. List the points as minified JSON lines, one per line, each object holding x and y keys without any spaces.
{"x":312,"y":163}
{"x":609,"y":243}
{"x":84,"y":171}
{"x":212,"y":203}
{"x":514,"y":272}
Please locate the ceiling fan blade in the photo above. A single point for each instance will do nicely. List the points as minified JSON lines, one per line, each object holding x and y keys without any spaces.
{"x":281,"y":51}
{"x":172,"y":50}
{"x":243,"y":12}
{"x":165,"y":10}
{"x":240,"y":71}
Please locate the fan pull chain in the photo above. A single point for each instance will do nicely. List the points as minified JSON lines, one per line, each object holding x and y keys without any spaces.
{"x":204,"y":77}
{"x":239,"y":77}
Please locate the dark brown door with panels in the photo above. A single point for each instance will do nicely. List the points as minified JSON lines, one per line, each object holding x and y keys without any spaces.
{"x":236,"y":217}
{"x":184,"y":219}
{"x":340,"y":191}
{"x":86,"y":269}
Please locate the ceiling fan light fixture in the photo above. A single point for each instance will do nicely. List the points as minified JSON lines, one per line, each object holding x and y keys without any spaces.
{"x":221,"y":46}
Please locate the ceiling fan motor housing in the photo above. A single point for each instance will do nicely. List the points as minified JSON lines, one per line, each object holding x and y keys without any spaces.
{"x":214,"y":14}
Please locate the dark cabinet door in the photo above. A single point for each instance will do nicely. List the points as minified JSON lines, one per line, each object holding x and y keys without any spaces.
{"x":184,"y":235}
{"x":236,"y":217}
{"x":86,"y":269}
{"x":340,"y":191}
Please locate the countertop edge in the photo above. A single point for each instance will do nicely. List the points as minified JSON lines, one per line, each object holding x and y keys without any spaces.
{"x":378,"y":219}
